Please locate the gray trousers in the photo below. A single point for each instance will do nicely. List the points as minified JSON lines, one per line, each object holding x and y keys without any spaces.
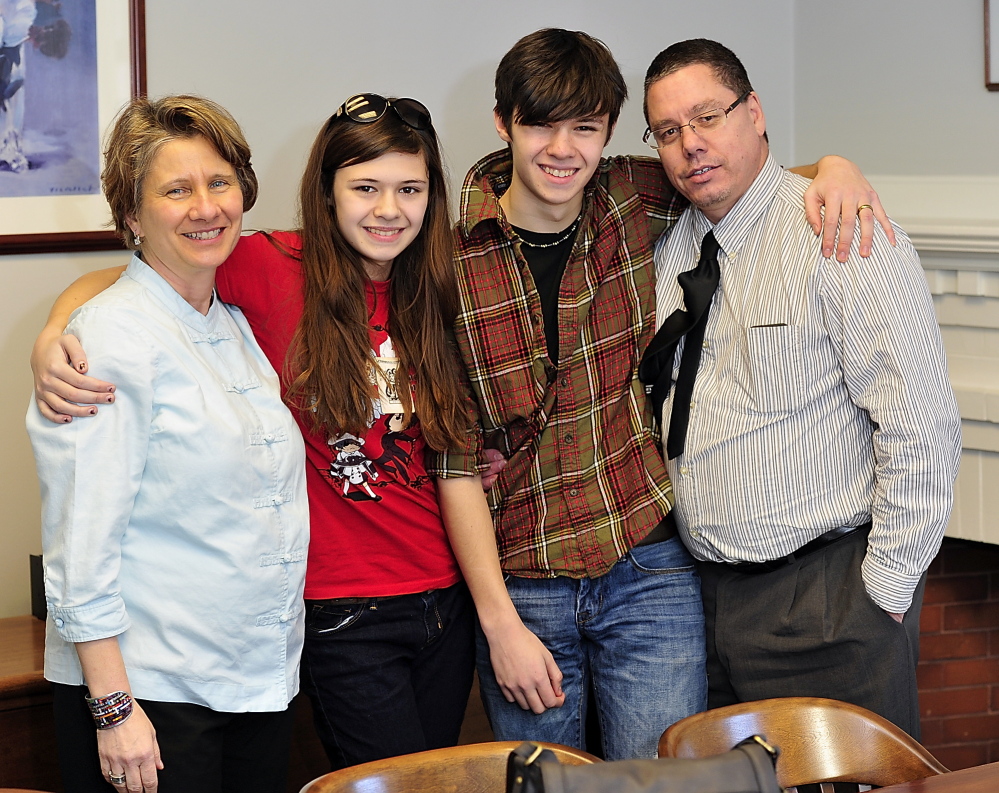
{"x":809,"y":629}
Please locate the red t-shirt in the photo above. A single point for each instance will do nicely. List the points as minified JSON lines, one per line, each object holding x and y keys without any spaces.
{"x":376,"y":524}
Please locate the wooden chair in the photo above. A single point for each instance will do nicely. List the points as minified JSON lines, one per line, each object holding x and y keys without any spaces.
{"x":472,"y":768}
{"x":820,"y":740}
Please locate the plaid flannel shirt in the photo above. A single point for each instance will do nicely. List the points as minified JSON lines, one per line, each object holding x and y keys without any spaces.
{"x":585,"y":481}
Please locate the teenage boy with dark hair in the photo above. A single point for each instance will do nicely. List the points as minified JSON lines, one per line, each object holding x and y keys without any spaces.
{"x":554,"y":250}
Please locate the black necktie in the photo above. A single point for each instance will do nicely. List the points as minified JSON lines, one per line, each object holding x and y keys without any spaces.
{"x":698,"y":287}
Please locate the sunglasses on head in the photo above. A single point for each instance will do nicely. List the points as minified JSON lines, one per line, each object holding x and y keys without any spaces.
{"x":367,"y":108}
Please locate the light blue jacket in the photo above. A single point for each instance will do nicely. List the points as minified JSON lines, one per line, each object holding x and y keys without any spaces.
{"x":177,"y":518}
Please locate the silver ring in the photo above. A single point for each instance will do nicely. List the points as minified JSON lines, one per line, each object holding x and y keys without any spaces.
{"x":116,"y":779}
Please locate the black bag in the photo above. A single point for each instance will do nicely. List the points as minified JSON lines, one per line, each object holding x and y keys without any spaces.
{"x":748,"y":768}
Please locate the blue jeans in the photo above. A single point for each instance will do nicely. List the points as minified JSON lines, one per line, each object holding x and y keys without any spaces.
{"x":637,"y":633}
{"x":388,"y":676}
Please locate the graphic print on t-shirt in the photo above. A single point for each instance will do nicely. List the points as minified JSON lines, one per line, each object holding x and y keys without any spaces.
{"x":393,"y":458}
{"x":384,"y":376}
{"x":353,"y":467}
{"x":360,"y":473}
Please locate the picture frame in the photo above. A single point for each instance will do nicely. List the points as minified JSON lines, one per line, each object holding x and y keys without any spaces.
{"x":75,"y":218}
{"x":991,"y":49}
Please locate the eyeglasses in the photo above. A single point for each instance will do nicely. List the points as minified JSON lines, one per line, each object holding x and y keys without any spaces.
{"x":367,"y":108}
{"x":706,"y":122}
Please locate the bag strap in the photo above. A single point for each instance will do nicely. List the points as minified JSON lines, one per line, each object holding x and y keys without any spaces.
{"x":523,"y":768}
{"x":763,"y":760}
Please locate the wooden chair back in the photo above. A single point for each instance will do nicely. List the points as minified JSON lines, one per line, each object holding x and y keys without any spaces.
{"x":472,"y":768}
{"x":820,"y":740}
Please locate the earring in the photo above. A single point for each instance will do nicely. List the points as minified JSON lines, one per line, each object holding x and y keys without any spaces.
{"x":138,"y":240}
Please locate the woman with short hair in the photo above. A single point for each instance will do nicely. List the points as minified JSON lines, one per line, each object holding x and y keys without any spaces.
{"x":175,"y":526}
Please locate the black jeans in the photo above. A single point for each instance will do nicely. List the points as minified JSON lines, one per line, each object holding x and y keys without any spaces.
{"x":388,"y":676}
{"x":203,"y":750}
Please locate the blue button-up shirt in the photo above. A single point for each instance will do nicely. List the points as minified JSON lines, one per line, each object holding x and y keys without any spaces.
{"x":176,"y":519}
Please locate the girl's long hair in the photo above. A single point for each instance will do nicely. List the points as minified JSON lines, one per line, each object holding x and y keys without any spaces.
{"x":330,"y":360}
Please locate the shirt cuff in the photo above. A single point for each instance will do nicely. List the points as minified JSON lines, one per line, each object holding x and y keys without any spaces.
{"x":454,"y":465}
{"x":98,"y":620}
{"x":889,"y":589}
{"x":465,"y":460}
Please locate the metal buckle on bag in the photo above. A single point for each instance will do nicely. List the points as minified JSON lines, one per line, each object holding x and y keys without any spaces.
{"x":523,"y":772}
{"x":771,"y":750}
{"x":530,"y":761}
{"x":534,"y":755}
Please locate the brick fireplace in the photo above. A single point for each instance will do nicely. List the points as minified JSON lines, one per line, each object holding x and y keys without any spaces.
{"x":959,"y":655}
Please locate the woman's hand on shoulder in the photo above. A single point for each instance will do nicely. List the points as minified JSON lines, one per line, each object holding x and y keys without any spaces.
{"x":62,"y":388}
{"x":131,"y":749}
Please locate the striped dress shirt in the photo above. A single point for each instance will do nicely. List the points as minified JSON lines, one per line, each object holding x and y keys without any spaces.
{"x":822,"y":398}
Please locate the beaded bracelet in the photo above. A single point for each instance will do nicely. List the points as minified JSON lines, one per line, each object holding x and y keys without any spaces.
{"x":110,"y":711}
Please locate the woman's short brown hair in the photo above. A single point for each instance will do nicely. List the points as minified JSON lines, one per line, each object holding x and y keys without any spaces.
{"x":143,"y":126}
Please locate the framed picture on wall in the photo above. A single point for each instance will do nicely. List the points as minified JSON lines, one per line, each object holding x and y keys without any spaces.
{"x":991,"y":46}
{"x":66,"y":69}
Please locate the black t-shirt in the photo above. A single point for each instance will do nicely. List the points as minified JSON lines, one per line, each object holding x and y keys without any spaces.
{"x":547,"y":255}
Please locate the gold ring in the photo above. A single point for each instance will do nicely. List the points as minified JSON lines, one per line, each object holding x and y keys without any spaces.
{"x":864,"y":206}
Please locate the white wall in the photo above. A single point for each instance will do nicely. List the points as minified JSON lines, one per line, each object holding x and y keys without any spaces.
{"x":898,"y":86}
{"x":282,"y":75}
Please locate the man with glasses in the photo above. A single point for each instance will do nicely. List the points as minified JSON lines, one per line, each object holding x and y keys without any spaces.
{"x":811,"y":433}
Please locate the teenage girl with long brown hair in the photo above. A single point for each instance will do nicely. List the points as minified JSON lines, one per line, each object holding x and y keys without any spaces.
{"x":360,"y":301}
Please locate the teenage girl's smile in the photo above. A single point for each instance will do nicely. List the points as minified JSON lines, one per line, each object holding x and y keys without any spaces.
{"x":380,"y":206}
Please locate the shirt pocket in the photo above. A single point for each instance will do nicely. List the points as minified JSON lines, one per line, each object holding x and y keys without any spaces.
{"x":781,"y":374}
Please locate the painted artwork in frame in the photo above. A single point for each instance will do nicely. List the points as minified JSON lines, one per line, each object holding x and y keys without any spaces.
{"x":66,"y":69}
{"x":991,"y":45}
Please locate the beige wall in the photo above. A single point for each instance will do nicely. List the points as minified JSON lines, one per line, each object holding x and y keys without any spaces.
{"x":29,"y":285}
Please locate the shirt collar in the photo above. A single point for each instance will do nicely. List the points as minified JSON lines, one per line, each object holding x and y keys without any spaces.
{"x":732,"y":229}
{"x":212,"y":322}
{"x":486,"y":183}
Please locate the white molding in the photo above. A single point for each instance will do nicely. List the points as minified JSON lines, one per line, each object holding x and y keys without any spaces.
{"x":956,"y":237}
{"x":953,"y":215}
